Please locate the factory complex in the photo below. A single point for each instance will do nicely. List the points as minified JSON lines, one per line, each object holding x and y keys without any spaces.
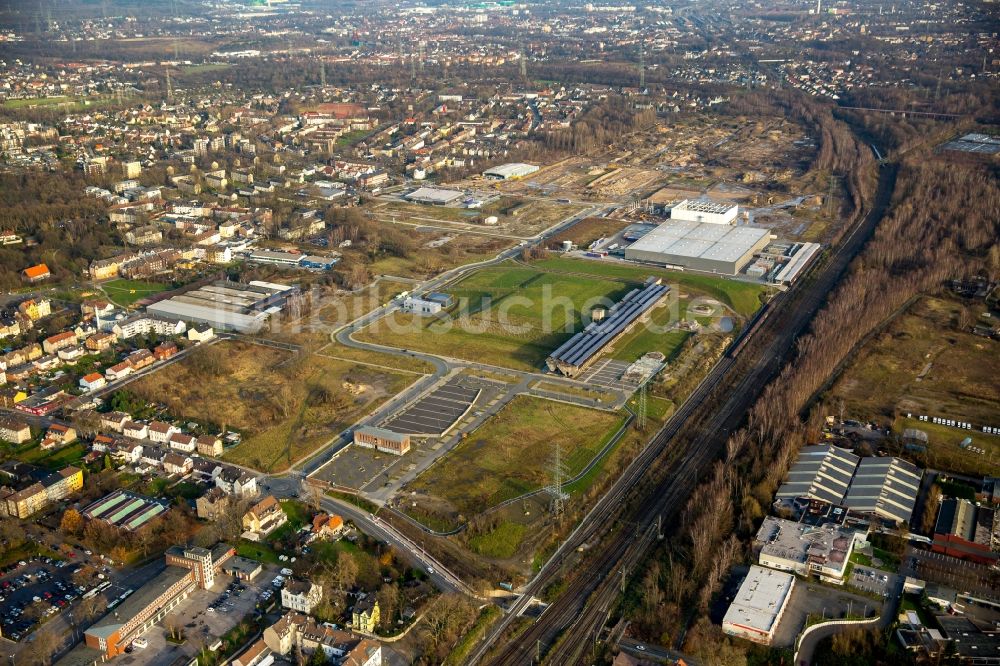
{"x":702,"y":246}
{"x":759,"y":605}
{"x":880,"y":486}
{"x":227,"y":306}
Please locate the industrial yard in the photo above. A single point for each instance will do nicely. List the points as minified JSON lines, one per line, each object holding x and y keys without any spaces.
{"x":921,"y":366}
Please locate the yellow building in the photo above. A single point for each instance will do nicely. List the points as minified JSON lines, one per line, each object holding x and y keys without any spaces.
{"x":365,"y":616}
{"x":37,"y":496}
{"x":35,"y":310}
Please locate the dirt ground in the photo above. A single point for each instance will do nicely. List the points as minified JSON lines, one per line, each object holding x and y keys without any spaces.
{"x":285,"y":405}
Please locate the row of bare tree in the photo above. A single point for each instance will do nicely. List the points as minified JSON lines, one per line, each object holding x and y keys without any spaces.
{"x":942,"y":225}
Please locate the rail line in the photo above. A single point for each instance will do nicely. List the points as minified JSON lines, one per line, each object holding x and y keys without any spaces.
{"x":564,"y":631}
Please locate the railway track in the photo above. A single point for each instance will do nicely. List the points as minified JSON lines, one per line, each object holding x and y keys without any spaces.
{"x":564,"y":632}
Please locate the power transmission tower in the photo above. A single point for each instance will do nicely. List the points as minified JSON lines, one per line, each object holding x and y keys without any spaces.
{"x":170,"y":86}
{"x":558,"y":472}
{"x":642,"y":64}
{"x":524,"y":65}
{"x":829,"y":198}
{"x":643,"y":407}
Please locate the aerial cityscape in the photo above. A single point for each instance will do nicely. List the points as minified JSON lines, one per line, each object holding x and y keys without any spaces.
{"x":499,"y":332}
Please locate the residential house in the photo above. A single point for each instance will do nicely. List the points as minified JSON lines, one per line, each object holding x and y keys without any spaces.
{"x":200,"y":333}
{"x":160,"y":432}
{"x":182,"y":442}
{"x":209,"y":445}
{"x":101,"y":341}
{"x":164,"y":350}
{"x":238,"y":482}
{"x":118,"y":371}
{"x":295,"y":631}
{"x":301,"y":595}
{"x":141,"y":358}
{"x":175,"y":463}
{"x":208,"y":470}
{"x":126,"y":452}
{"x":36,"y":273}
{"x":71,"y":355}
{"x":58,"y":435}
{"x":365,"y":615}
{"x":35,"y":309}
{"x":213,"y":505}
{"x":114,"y":421}
{"x":93,"y":381}
{"x":152,"y":456}
{"x":37,"y":496}
{"x":258,"y":653}
{"x":325,"y":526}
{"x":14,"y":430}
{"x":54,"y":343}
{"x":135,"y":430}
{"x":263,"y":518}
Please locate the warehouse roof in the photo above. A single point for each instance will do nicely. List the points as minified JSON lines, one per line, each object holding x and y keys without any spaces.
{"x":701,"y":206}
{"x":511,"y":170}
{"x":697,"y":239}
{"x":760,"y":600}
{"x":434,"y":195}
{"x":822,"y":472}
{"x":884,"y":486}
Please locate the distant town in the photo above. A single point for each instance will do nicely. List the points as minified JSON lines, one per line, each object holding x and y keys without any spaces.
{"x":499,"y":333}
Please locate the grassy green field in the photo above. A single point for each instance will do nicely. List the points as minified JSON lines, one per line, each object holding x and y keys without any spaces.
{"x":530,"y":314}
{"x":743,"y":297}
{"x":37,"y":102}
{"x":500,"y":542}
{"x":511,"y":454}
{"x":126,"y":292}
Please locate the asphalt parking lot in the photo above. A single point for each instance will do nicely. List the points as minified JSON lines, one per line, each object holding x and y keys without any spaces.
{"x":202,"y":626}
{"x":46,"y":583}
{"x":376,"y":472}
{"x":605,"y":372}
{"x":872,"y":581}
{"x":813,"y":599}
{"x":438,"y":411}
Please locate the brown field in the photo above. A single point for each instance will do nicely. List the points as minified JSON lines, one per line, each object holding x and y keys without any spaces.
{"x":922,"y":365}
{"x":285,"y":405}
{"x":587,"y":231}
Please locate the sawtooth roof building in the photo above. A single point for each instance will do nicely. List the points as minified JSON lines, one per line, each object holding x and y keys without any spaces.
{"x":882,"y":486}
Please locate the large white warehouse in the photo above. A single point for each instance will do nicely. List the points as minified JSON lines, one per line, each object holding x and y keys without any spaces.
{"x":709,"y":212}
{"x":510,"y":171}
{"x":712,"y":248}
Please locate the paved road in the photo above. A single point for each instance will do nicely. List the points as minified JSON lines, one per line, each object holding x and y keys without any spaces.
{"x":647,"y":651}
{"x":580,"y":612}
{"x":806,"y":649}
{"x":371,"y":525}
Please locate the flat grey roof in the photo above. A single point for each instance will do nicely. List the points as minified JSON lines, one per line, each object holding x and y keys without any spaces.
{"x":700,"y":240}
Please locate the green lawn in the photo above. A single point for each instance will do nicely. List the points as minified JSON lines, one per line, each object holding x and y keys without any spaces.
{"x":40,"y":101}
{"x":507,"y":315}
{"x":511,"y":454}
{"x":54,"y":459}
{"x":500,"y":542}
{"x":126,"y":292}
{"x":743,"y":297}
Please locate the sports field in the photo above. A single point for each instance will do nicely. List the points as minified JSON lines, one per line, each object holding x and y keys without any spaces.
{"x":126,"y":292}
{"x":511,"y":455}
{"x":507,"y":315}
{"x":743,"y":297}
